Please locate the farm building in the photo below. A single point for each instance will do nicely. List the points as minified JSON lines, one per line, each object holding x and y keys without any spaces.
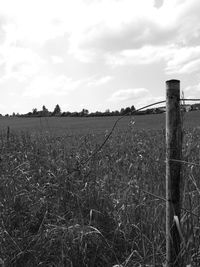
{"x":186,"y":108}
{"x":196,"y":106}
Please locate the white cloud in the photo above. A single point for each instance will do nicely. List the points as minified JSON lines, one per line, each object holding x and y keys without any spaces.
{"x":179,"y":60}
{"x":141,"y":96}
{"x":87,"y":21}
{"x":48,"y":86}
{"x":56,"y":60}
{"x":19,"y":63}
{"x":114,"y":26}
{"x":182,"y":60}
{"x":99,"y":81}
{"x":3,"y":108}
{"x":138,"y":33}
{"x":128,"y":94}
{"x":38,"y":21}
{"x":188,"y":67}
{"x":98,"y":28}
{"x":192,"y":92}
{"x":193,"y":88}
{"x":144,"y":55}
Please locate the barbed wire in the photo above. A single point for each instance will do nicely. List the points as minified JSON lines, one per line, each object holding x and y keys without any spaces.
{"x":83,"y":163}
{"x":190,"y":99}
{"x":114,"y":126}
{"x":165,"y":200}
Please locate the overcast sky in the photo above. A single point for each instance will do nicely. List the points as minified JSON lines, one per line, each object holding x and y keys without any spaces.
{"x":96,"y":54}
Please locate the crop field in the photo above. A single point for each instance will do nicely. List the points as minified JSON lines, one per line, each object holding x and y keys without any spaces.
{"x":60,"y":209}
{"x":69,"y":125}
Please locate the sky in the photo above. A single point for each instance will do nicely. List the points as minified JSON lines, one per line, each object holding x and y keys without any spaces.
{"x":96,"y":54}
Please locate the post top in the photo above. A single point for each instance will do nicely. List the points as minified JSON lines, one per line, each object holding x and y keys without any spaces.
{"x":173,"y":86}
{"x":173,"y":81}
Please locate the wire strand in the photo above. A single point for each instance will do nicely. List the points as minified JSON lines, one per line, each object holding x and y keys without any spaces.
{"x":190,"y":99}
{"x":114,"y":126}
{"x":116,"y":122}
{"x":165,"y":200}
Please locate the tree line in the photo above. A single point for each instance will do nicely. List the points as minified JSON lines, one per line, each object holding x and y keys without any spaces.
{"x":57,"y":112}
{"x":44,"y":112}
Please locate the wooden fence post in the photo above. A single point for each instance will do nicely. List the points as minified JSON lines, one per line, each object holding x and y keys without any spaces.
{"x":173,"y":171}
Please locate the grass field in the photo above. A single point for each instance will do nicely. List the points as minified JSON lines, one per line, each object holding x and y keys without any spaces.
{"x":56,"y":211}
{"x":60,"y":125}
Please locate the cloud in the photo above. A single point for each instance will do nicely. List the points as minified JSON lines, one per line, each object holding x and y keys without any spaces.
{"x":121,"y":28}
{"x":3,"y":108}
{"x":112,"y":25}
{"x":96,"y":29}
{"x":192,"y":92}
{"x":38,"y":21}
{"x":141,"y":96}
{"x":57,"y":59}
{"x":128,"y":94}
{"x":178,"y":60}
{"x":141,"y":56}
{"x":99,"y":81}
{"x":188,"y":67}
{"x":19,"y":62}
{"x":121,"y":25}
{"x":51,"y":85}
{"x":193,"y":88}
{"x":2,"y":32}
{"x":158,"y":3}
{"x":117,"y":26}
{"x":183,"y":60}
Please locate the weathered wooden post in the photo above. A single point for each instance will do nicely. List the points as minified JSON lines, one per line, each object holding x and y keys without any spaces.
{"x":173,"y":171}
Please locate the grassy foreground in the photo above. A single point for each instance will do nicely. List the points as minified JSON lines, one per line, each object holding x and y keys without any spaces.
{"x":57,"y":212}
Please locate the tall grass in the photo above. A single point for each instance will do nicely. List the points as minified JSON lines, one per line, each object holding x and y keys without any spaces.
{"x":55,"y":212}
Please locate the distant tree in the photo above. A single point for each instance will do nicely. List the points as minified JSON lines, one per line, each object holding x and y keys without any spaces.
{"x":35,"y":112}
{"x":132,"y":109}
{"x":107,"y":112}
{"x":66,"y":114}
{"x":97,"y":113}
{"x":13,"y":114}
{"x":122,"y":111}
{"x":84,"y":112}
{"x":115,"y":113}
{"x":57,"y":111}
{"x":127,"y":111}
{"x":75,"y":114}
{"x":45,"y":111}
